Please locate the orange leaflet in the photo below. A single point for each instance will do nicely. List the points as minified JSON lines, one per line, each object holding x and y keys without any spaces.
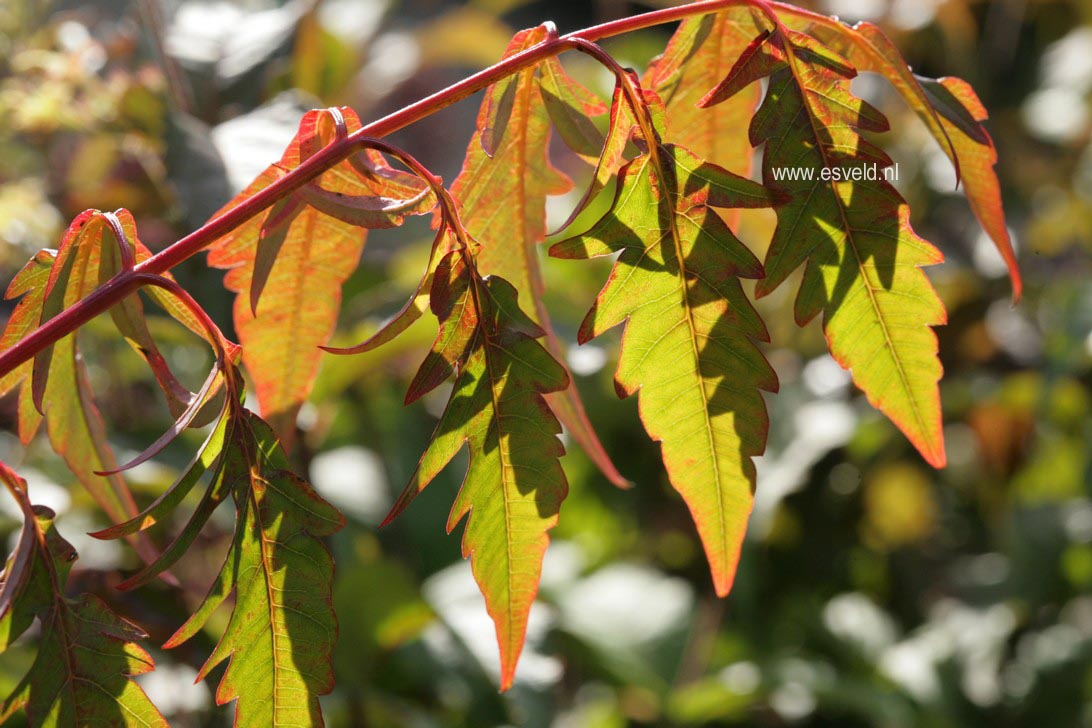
{"x":310,"y":241}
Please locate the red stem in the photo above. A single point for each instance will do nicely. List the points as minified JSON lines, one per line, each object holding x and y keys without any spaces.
{"x":129,"y":280}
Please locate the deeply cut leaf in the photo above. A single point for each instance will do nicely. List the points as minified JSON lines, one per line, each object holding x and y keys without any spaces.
{"x":287,"y":265}
{"x":55,"y":382}
{"x":951,"y":111}
{"x":514,"y":484}
{"x":282,"y":626}
{"x":502,"y":191}
{"x":86,"y":653}
{"x":688,"y":346}
{"x":863,"y":259}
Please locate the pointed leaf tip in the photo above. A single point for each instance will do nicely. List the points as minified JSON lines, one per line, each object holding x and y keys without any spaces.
{"x":678,"y":291}
{"x":862,"y":260}
{"x":281,"y":574}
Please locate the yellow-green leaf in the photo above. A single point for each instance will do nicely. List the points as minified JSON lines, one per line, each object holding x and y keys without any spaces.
{"x":282,"y":628}
{"x":689,"y":342}
{"x":502,"y":192}
{"x":86,"y":653}
{"x":55,"y":382}
{"x":864,"y":261}
{"x":514,"y":484}
{"x":948,"y":107}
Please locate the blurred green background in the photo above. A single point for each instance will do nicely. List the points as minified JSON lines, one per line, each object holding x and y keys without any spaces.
{"x":873,"y":591}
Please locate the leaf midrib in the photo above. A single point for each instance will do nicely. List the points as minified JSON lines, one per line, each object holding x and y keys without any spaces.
{"x":849,"y":230}
{"x":668,"y":195}
{"x":267,"y":568}
{"x":502,"y":452}
{"x":519,"y":143}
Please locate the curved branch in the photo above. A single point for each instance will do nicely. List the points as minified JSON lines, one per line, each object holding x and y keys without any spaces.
{"x":127,"y":281}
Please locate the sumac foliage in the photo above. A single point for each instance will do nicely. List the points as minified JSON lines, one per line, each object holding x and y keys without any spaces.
{"x":671,"y":157}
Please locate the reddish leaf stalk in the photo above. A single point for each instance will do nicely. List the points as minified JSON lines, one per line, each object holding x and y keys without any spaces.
{"x":448,"y":208}
{"x":214,"y":336}
{"x":130,"y":279}
{"x":125,"y":248}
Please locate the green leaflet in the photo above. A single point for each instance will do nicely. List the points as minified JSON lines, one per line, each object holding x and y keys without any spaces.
{"x":863,"y":259}
{"x":28,"y":286}
{"x":55,"y":383}
{"x":88,"y":257}
{"x":611,"y":157}
{"x":208,"y":458}
{"x":571,"y":108}
{"x":502,"y":190}
{"x":282,"y":628}
{"x":86,"y":653}
{"x":688,"y":346}
{"x":81,"y":675}
{"x":514,"y":484}
{"x":948,"y":107}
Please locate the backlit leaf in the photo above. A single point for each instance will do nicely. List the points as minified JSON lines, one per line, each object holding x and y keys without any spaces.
{"x":28,"y":286}
{"x":310,"y":241}
{"x":699,"y":55}
{"x":86,"y":653}
{"x":514,"y":484}
{"x":55,"y":382}
{"x":282,"y":628}
{"x":502,"y":192}
{"x":571,"y":108}
{"x":611,"y":156}
{"x":951,"y":111}
{"x":954,"y":99}
{"x":863,"y":259}
{"x":689,"y":342}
